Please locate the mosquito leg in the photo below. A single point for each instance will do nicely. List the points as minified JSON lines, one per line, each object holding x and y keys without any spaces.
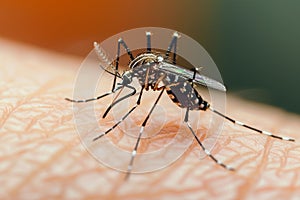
{"x":207,"y":152}
{"x":133,"y":153}
{"x":95,"y":98}
{"x":119,"y":100}
{"x":123,"y":118}
{"x":148,"y":35}
{"x":116,"y":124}
{"x":172,"y":45}
{"x":251,"y":128}
{"x":120,"y":42}
{"x":194,"y":76}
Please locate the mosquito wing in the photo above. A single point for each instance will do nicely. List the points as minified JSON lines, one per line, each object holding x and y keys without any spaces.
{"x":188,"y":74}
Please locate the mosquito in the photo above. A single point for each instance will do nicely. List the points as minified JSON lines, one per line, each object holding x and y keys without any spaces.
{"x":159,"y":72}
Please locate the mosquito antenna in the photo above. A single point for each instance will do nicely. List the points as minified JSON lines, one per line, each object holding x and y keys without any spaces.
{"x":251,"y":127}
{"x":102,"y":55}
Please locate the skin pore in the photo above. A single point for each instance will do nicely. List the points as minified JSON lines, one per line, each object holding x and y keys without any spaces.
{"x":41,"y":155}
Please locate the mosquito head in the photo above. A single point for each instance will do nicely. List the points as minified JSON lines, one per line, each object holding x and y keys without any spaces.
{"x":160,"y":58}
{"x":126,"y":78}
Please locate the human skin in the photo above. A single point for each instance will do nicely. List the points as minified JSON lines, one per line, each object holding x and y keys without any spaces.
{"x":41,"y":156}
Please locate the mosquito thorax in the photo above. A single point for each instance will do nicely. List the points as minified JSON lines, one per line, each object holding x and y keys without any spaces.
{"x":145,"y":58}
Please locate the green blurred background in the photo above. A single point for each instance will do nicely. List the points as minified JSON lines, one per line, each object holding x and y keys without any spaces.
{"x":255,"y":44}
{"x":259,"y":50}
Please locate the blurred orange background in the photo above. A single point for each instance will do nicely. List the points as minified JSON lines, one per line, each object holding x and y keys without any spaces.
{"x":255,"y":43}
{"x":73,"y":26}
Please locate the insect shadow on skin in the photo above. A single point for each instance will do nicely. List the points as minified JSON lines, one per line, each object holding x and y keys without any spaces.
{"x":160,"y":72}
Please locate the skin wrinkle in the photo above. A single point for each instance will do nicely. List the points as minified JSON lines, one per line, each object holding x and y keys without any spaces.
{"x":250,"y":155}
{"x":247,"y":187}
{"x":189,"y":173}
{"x":25,"y":100}
{"x":188,"y":178}
{"x":41,"y":167}
{"x":296,"y":160}
{"x":293,"y":184}
{"x":37,"y":119}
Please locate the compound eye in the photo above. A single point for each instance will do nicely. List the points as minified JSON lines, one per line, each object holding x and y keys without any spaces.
{"x":160,"y":59}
